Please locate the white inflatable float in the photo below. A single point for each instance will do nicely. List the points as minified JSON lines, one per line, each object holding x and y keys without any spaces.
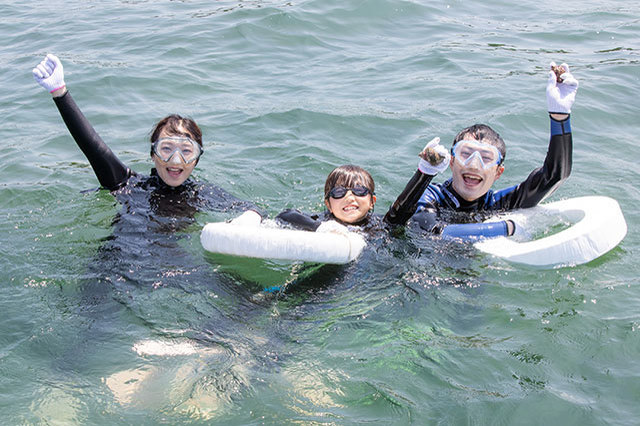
{"x":597,"y":226}
{"x":246,"y":236}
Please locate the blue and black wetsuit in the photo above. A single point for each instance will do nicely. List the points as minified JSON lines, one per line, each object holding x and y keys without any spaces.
{"x":440,"y":205}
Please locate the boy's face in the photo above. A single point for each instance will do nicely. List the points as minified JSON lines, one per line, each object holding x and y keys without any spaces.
{"x":350,"y":208}
{"x":471,"y":181}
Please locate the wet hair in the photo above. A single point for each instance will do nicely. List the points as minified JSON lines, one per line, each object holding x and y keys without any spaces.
{"x":178,"y":125}
{"x":484,"y":133}
{"x":348,"y":176}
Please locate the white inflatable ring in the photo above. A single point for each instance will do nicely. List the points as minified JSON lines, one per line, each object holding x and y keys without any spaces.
{"x":249,"y":238}
{"x":599,"y":227}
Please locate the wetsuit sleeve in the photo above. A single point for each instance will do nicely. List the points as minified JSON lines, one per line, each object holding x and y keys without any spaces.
{"x":109,"y":170}
{"x":407,"y":202}
{"x":299,"y":220}
{"x":476,"y":231}
{"x":543,"y":181}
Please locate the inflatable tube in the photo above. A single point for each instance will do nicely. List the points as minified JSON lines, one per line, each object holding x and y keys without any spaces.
{"x":598,"y":226}
{"x":251,"y":239}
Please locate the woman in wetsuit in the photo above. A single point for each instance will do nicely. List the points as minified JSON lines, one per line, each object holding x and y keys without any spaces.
{"x":176,"y":147}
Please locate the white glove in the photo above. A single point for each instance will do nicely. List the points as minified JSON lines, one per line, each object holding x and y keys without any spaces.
{"x":560,"y":96}
{"x":428,"y":167}
{"x":49,"y":73}
{"x":333,"y":226}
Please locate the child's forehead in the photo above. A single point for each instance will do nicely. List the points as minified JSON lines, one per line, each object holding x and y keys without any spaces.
{"x":351,"y":179}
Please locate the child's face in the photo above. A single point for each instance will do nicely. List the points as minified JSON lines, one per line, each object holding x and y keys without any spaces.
{"x":350,"y":208}
{"x":471,"y":181}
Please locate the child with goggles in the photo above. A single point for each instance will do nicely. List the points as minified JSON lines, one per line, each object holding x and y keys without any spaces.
{"x":477,"y":158}
{"x":176,"y":147}
{"x":349,"y":196}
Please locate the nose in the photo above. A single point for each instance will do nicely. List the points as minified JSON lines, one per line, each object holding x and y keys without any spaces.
{"x":349,"y":196}
{"x":475,"y":160}
{"x":175,"y":158}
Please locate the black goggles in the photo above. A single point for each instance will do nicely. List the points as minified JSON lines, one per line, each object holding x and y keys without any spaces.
{"x":338,"y":192}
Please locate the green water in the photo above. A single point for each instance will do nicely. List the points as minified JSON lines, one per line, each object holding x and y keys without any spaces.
{"x":417,"y":332}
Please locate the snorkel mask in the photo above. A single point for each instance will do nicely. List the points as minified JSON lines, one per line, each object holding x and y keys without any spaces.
{"x":465,"y":151}
{"x":188,"y":149}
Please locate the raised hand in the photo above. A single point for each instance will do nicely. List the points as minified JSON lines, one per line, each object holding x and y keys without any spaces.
{"x":561,"y":89}
{"x":50,"y":74}
{"x":434,"y":158}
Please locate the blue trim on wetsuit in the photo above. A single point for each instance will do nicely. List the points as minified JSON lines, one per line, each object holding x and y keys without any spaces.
{"x":475,"y":231}
{"x":432,"y":194}
{"x":493,"y":198}
{"x":560,"y":127}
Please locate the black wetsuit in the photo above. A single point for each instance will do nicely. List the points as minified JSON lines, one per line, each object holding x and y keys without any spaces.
{"x":153,"y":245}
{"x":152,"y":228}
{"x":113,"y":175}
{"x":404,"y":207}
{"x":440,"y":205}
{"x":398,"y":214}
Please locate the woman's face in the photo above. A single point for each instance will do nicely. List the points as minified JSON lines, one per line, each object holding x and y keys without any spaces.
{"x":174,"y":171}
{"x":350,"y":208}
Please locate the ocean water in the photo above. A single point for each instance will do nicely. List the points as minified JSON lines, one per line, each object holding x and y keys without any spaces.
{"x":416,"y":332}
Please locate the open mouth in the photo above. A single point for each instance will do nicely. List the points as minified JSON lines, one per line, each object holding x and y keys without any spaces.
{"x":350,"y":208}
{"x":471,"y":180}
{"x":174,"y":171}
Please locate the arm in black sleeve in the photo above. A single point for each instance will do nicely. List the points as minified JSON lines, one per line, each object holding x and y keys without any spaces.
{"x":407,"y":202}
{"x":110,"y":171}
{"x":543,"y":181}
{"x":299,"y":220}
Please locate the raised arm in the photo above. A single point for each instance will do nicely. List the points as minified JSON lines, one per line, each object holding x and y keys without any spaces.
{"x":110,"y":171}
{"x":434,"y":159}
{"x":543,"y":181}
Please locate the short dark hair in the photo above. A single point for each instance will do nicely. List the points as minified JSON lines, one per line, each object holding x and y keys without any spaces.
{"x":348,"y":175}
{"x":177,"y":125}
{"x":484,"y":133}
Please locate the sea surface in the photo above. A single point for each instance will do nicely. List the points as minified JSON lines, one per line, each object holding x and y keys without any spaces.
{"x":417,"y":331}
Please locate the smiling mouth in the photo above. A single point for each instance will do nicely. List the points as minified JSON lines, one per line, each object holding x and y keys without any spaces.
{"x":174,"y":171}
{"x":472,"y":180}
{"x":350,"y":208}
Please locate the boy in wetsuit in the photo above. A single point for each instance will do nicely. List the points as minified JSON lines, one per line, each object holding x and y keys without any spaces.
{"x":477,"y":158}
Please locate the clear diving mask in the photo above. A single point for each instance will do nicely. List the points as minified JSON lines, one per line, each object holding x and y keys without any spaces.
{"x":465,"y":151}
{"x":188,"y":149}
